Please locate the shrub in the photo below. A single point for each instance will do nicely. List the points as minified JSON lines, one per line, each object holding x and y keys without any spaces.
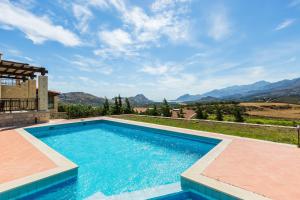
{"x":237,"y":113}
{"x":80,"y":111}
{"x":201,"y":113}
{"x":219,"y":114}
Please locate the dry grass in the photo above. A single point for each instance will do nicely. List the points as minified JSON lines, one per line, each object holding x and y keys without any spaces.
{"x":274,"y":110}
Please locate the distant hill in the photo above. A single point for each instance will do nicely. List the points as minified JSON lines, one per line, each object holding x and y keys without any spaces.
{"x":81,"y":98}
{"x":89,"y":99}
{"x":139,"y":100}
{"x":188,"y":97}
{"x":281,"y":91}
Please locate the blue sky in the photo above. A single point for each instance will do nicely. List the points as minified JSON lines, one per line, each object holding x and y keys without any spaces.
{"x":161,"y":48}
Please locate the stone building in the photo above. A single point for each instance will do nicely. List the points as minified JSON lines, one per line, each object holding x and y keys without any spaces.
{"x":24,"y":95}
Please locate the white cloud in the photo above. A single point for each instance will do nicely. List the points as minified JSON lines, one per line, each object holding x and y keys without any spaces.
{"x":286,"y":23}
{"x":163,"y":4}
{"x":38,"y":29}
{"x":141,"y":30}
{"x":220,"y":26}
{"x":83,"y":15}
{"x":163,"y":69}
{"x":180,"y":82}
{"x":117,"y":39}
{"x":99,"y":3}
{"x":92,"y":65}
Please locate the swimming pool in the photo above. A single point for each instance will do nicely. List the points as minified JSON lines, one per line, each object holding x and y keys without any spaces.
{"x":114,"y":157}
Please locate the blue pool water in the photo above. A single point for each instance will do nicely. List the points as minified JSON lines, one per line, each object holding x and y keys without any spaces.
{"x":116,"y":157}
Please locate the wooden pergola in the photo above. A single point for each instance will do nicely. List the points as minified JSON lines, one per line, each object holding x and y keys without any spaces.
{"x":21,"y":71}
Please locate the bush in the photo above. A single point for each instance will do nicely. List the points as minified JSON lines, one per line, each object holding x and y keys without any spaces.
{"x":237,"y":113}
{"x":81,"y":111}
{"x":219,"y":114}
{"x":201,"y":113}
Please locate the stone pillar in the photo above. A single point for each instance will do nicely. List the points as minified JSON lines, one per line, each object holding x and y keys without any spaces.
{"x":43,"y":93}
{"x":31,"y":89}
{"x":55,"y":102}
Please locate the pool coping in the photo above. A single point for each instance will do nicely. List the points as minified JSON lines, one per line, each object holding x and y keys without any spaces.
{"x":64,"y":169}
{"x":192,"y":174}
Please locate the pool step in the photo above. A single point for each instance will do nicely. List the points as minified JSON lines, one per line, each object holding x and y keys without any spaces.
{"x":140,"y":194}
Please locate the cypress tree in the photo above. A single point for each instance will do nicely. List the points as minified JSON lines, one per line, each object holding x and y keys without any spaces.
{"x":116,"y":108}
{"x":105,"y":107}
{"x":120,"y":104}
{"x":166,"y":109}
{"x":128,"y":109}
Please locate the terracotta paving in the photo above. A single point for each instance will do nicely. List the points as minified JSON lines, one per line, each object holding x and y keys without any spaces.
{"x":19,"y":158}
{"x":272,"y":170}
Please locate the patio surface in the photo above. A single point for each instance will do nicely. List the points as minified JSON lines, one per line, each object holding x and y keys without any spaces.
{"x":266,"y":168}
{"x":19,"y":158}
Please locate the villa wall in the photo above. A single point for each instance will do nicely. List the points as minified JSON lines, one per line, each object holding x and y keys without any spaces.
{"x":24,"y":90}
{"x":23,"y":118}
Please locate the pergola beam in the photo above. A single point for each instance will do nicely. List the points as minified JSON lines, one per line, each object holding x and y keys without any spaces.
{"x":10,"y":77}
{"x":16,"y":70}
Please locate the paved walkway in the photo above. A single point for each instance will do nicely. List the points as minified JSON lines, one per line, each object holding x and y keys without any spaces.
{"x":266,"y":168}
{"x":269,"y":169}
{"x":19,"y":158}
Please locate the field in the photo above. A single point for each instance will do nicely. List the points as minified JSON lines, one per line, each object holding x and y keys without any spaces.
{"x":273,"y":110}
{"x":274,"y":134}
{"x":281,"y":114}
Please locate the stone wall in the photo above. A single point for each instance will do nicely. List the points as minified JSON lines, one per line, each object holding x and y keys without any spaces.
{"x":24,"y":90}
{"x":23,"y":118}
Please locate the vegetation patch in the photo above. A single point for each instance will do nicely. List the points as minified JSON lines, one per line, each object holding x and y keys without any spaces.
{"x":275,"y":134}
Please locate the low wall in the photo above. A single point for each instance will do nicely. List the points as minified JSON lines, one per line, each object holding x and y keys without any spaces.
{"x":58,"y":115}
{"x":23,"y":118}
{"x":283,"y":129}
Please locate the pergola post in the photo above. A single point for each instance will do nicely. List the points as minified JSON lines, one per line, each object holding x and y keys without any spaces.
{"x":43,"y":93}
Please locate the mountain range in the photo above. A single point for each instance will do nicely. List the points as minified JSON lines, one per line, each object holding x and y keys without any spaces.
{"x":281,"y":91}
{"x":285,"y":91}
{"x":89,"y":99}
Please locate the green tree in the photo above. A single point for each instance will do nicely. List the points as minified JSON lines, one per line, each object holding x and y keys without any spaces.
{"x":165,"y":109}
{"x":219,"y":114}
{"x":201,"y":113}
{"x":128,"y":109}
{"x":154,"y":111}
{"x":237,"y":113}
{"x":116,"y":108}
{"x":105,"y":110}
{"x":120,"y":103}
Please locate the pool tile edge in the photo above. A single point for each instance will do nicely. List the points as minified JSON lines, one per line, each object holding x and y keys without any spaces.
{"x":22,"y":186}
